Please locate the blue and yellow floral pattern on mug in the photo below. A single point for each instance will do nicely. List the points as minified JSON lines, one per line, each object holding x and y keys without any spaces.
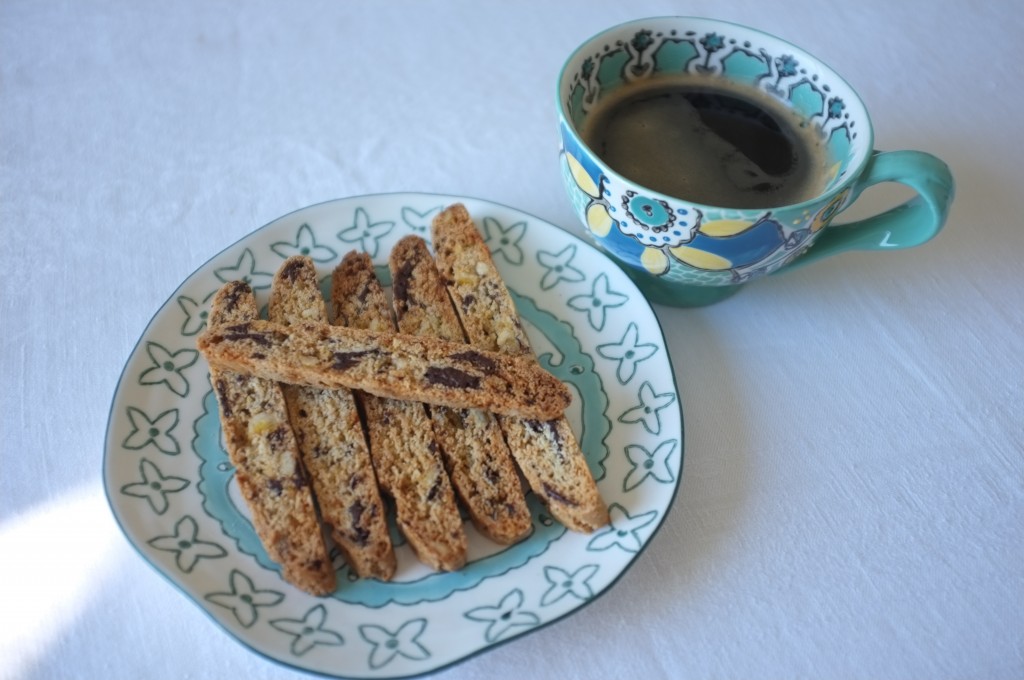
{"x":683,"y":253}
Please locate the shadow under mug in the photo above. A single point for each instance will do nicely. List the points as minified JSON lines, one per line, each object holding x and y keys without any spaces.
{"x":682,"y":253}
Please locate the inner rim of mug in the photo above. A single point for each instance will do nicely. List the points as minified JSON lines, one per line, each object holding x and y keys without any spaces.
{"x":823,"y":80}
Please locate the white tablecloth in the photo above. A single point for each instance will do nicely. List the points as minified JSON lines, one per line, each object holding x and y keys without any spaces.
{"x":853,"y":492}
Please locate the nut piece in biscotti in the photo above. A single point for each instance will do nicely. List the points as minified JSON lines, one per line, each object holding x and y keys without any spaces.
{"x":474,"y":451}
{"x":331,"y":440}
{"x":402,"y":446}
{"x":546,"y":450}
{"x":387,"y":364}
{"x":263,"y":449}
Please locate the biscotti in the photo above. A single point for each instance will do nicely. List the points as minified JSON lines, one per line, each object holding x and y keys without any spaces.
{"x":402,"y":445}
{"x":387,"y":365}
{"x":474,"y":451}
{"x":330,"y":437}
{"x":545,"y":448}
{"x":264,"y":452}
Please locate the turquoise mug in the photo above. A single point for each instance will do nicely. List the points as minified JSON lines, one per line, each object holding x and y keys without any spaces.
{"x":684,"y":253}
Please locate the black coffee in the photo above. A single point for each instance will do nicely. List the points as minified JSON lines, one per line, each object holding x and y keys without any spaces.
{"x":734,"y":148}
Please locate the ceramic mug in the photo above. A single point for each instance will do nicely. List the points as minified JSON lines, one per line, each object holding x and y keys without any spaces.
{"x":683,"y":253}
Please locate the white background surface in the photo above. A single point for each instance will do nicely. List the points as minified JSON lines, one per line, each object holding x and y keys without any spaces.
{"x":853,"y":492}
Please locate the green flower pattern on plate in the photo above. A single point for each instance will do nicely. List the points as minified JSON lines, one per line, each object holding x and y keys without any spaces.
{"x":628,"y":352}
{"x":597,"y":303}
{"x":305,"y":244}
{"x":648,"y":411}
{"x":623,"y":532}
{"x":364,"y":234}
{"x":167,"y":368}
{"x":244,"y":269}
{"x":195,"y":315}
{"x":650,"y":464}
{"x":155,"y":431}
{"x":309,"y":631}
{"x":559,"y":267}
{"x":419,"y":222}
{"x":244,"y":599}
{"x":387,"y":645}
{"x":505,"y":617}
{"x":154,"y":486}
{"x":504,"y":241}
{"x":186,"y":546}
{"x":590,"y":328}
{"x":564,"y":583}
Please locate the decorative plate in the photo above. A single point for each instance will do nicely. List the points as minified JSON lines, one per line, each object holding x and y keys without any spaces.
{"x":169,"y":481}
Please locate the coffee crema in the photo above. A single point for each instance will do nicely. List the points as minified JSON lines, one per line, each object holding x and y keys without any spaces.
{"x":718,"y":144}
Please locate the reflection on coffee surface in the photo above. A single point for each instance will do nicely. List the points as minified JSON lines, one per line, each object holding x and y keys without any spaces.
{"x":733,"y":147}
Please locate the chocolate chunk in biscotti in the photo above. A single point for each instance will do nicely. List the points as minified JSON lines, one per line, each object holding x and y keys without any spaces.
{"x":331,"y":439}
{"x":545,"y":449}
{"x":264,"y":451}
{"x":387,"y":364}
{"x":475,"y":453}
{"x":402,"y":447}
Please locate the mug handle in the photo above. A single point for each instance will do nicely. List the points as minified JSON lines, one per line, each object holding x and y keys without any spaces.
{"x":904,"y":226}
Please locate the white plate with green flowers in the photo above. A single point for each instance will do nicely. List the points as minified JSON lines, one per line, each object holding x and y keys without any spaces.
{"x":169,"y":481}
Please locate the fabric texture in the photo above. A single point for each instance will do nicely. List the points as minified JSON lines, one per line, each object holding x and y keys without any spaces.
{"x":853,"y":488}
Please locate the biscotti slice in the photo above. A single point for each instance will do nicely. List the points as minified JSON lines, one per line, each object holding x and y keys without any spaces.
{"x":546,"y":450}
{"x":386,"y":364}
{"x":263,"y":449}
{"x":402,"y":445}
{"x":474,"y":451}
{"x":331,"y":440}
